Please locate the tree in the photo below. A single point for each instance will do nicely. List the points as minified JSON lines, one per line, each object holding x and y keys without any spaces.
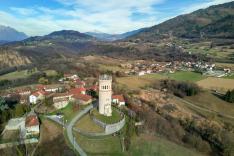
{"x":19,"y":110}
{"x":43,"y":80}
{"x":229,"y":96}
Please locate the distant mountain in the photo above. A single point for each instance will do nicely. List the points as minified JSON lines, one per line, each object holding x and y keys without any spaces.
{"x":215,"y":21}
{"x":8,"y":34}
{"x":113,"y":37}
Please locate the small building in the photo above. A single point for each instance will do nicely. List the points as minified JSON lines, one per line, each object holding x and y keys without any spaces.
{"x":80,"y":90}
{"x":79,"y":83}
{"x":32,"y":125}
{"x":71,"y":76}
{"x":36,"y":96}
{"x":53,"y":88}
{"x":24,"y":92}
{"x":141,"y":73}
{"x":82,"y":99}
{"x":61,"y":100}
{"x":118,"y":99}
{"x":60,"y":103}
{"x":15,"y":124}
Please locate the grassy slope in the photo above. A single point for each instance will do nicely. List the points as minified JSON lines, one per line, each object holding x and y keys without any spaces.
{"x":208,"y":100}
{"x":112,"y":119}
{"x":140,"y":146}
{"x":86,"y":124}
{"x":151,"y":145}
{"x":16,"y":75}
{"x":136,"y":82}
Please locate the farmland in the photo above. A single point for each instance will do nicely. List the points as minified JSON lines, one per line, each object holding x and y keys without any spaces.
{"x":221,"y":84}
{"x":136,"y":82}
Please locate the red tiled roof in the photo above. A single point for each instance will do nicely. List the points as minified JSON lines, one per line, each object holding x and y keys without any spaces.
{"x":82,"y":97}
{"x":40,"y":87}
{"x":119,"y":97}
{"x":62,"y":94}
{"x":31,"y":120}
{"x":78,"y":81}
{"x":77,"y":90}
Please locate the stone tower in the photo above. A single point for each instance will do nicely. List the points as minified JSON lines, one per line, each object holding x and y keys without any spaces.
{"x":105,"y":93}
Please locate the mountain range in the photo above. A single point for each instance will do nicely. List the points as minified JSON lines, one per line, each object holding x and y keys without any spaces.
{"x":204,"y":25}
{"x":214,"y":22}
{"x":113,"y":37}
{"x":8,"y":34}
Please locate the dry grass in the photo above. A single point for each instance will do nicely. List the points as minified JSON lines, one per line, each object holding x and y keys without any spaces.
{"x":217,"y":83}
{"x":208,"y":100}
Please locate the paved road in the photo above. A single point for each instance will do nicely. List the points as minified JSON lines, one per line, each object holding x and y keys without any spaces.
{"x":205,"y":109}
{"x":70,"y":127}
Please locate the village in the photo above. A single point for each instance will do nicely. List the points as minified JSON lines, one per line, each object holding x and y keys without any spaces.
{"x":69,"y":90}
{"x":141,"y":68}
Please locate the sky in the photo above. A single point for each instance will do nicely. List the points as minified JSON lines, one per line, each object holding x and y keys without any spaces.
{"x":40,"y":17}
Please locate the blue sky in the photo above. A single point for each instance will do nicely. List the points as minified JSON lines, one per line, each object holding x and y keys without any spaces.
{"x":40,"y":17}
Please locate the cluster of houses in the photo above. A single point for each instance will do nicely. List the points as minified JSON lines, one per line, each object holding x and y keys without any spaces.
{"x":28,"y":127}
{"x":60,"y":94}
{"x":143,"y":68}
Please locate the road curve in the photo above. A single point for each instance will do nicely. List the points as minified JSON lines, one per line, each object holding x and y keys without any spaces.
{"x":70,"y":127}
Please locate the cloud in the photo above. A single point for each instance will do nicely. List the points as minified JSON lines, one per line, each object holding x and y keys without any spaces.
{"x":203,"y":5}
{"x":110,"y":16}
{"x":24,"y":11}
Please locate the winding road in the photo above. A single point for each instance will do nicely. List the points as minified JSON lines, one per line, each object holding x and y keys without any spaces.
{"x":70,"y":128}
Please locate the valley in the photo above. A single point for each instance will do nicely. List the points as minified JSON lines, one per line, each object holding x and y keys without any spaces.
{"x":165,"y":90}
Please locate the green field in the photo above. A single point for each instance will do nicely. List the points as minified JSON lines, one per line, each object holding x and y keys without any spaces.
{"x":140,"y":146}
{"x":116,"y":116}
{"x":86,"y":124}
{"x":68,"y":111}
{"x":17,"y":75}
{"x":186,"y":76}
{"x":151,"y":145}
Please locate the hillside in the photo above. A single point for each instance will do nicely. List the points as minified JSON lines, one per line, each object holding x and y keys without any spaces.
{"x":215,"y":21}
{"x":8,"y":34}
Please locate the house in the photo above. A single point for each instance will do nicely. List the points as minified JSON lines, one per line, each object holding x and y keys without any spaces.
{"x":15,"y":124}
{"x":82,"y":99}
{"x":118,"y":99}
{"x":61,"y":100}
{"x":71,"y":76}
{"x":141,"y":73}
{"x":60,"y":103}
{"x":80,"y":90}
{"x":32,"y":125}
{"x":36,"y":96}
{"x":53,"y":88}
{"x":79,"y":83}
{"x":24,"y":92}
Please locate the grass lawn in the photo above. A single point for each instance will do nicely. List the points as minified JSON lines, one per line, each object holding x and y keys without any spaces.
{"x":86,"y":124}
{"x":68,"y":111}
{"x":145,"y":145}
{"x":116,"y":117}
{"x":50,"y":72}
{"x":109,"y":145}
{"x":16,"y":75}
{"x":185,"y":76}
